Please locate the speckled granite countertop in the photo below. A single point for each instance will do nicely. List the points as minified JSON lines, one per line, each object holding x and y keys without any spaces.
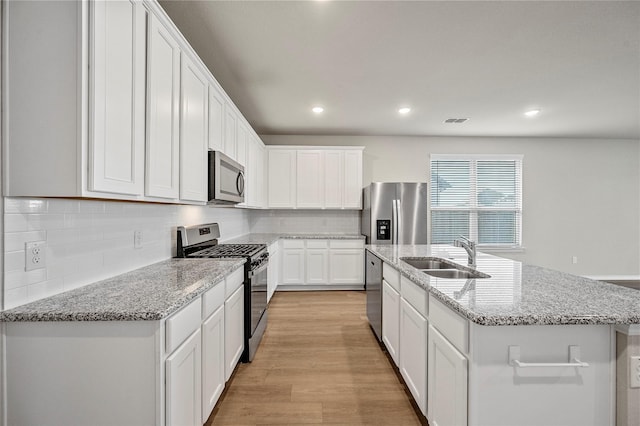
{"x":516,"y":293}
{"x":270,"y":238}
{"x":150,"y":293}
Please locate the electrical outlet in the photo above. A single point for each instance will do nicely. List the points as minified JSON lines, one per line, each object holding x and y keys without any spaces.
{"x":137,"y":239}
{"x":35,"y":255}
{"x":574,"y":260}
{"x":634,"y":372}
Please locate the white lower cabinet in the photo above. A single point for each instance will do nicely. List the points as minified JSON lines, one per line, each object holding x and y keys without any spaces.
{"x":274,"y":269}
{"x":234,"y":330}
{"x":318,"y":263}
{"x":213,"y":366}
{"x":183,"y":388}
{"x":166,"y":372}
{"x":391,"y":320}
{"x":447,"y":377}
{"x":413,"y":353}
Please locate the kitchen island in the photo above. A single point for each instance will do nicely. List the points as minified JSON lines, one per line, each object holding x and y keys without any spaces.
{"x":526,"y":345}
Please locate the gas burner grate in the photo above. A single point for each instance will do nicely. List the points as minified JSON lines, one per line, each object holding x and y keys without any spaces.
{"x":230,"y":250}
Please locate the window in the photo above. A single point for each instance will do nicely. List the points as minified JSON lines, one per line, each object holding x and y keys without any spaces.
{"x":477,"y":196}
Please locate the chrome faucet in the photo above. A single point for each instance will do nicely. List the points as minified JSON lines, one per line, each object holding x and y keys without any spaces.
{"x":469,"y":246}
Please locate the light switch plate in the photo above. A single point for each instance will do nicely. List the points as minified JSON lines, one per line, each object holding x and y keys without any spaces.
{"x":634,"y":371}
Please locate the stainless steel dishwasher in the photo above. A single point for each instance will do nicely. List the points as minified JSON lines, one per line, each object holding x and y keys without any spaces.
{"x":373,"y":282}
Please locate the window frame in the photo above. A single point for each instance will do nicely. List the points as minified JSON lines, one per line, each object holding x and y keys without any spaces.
{"x":473,"y":208}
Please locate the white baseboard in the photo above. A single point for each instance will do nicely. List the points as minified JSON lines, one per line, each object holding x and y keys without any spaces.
{"x":613,"y":277}
{"x":319,"y":287}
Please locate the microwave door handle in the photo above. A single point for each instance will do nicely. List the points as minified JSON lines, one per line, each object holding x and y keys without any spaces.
{"x":240,"y":183}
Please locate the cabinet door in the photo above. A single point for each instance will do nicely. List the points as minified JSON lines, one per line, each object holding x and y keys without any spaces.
{"x":282,"y":178}
{"x":230,"y":123}
{"x":274,"y":270}
{"x":183,"y":392}
{"x":117,"y":97}
{"x":352,"y":179}
{"x":233,"y":330}
{"x":293,"y":266}
{"x":346,"y":266}
{"x":241,"y":143}
{"x":216,"y":119}
{"x":193,"y":133}
{"x":310,"y":179}
{"x":391,"y":320}
{"x":317,"y":266}
{"x":261,"y":199}
{"x":163,"y":113}
{"x":333,"y":179}
{"x":413,"y":353}
{"x":447,"y":382}
{"x":213,"y":371}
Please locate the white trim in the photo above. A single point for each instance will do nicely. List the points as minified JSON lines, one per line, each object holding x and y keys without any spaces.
{"x":498,"y":249}
{"x":318,"y":287}
{"x":613,"y":277}
{"x":628,"y":329}
{"x":503,"y":157}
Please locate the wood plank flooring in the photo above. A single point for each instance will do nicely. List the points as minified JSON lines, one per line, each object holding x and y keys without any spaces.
{"x":318,"y":363}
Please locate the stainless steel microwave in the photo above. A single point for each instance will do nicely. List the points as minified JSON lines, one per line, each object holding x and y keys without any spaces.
{"x":226,"y":179}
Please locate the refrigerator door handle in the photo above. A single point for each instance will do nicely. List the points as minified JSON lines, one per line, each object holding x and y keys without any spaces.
{"x":394,"y":222}
{"x":399,"y":223}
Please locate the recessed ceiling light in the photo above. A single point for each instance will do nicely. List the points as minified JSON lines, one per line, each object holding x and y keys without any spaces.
{"x":317,"y":109}
{"x":404,"y":110}
{"x":532,"y":113}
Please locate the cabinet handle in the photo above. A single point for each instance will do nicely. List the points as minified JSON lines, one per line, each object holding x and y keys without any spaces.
{"x":574,"y":359}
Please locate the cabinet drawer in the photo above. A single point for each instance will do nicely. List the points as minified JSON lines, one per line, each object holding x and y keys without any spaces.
{"x":346,"y":244}
{"x":317,"y":244}
{"x":391,"y":275}
{"x":292,"y":244}
{"x":452,"y":326}
{"x":181,"y":324}
{"x":415,"y":295}
{"x":213,"y":299}
{"x":234,"y":280}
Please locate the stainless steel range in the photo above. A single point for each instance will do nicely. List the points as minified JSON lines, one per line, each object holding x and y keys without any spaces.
{"x":202,"y":241}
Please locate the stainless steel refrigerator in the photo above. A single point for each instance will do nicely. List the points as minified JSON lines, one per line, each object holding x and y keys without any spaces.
{"x":395,"y":213}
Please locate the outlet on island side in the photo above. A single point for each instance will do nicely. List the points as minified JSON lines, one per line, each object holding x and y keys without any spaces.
{"x":634,"y":372}
{"x":35,"y":255}
{"x":137,"y":239}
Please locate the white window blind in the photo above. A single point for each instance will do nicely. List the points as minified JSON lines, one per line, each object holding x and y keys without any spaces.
{"x":477,"y":196}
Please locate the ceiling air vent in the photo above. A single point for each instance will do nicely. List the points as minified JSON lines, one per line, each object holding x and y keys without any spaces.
{"x":455,"y":120}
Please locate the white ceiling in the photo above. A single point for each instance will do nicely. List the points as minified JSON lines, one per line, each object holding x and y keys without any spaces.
{"x":489,"y":61}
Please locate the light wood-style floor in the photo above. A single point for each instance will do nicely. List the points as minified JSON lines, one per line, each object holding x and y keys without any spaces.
{"x":318,"y":363}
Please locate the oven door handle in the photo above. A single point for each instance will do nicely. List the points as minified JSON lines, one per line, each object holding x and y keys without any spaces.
{"x":260,"y":269}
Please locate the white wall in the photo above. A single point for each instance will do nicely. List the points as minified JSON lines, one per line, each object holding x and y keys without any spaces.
{"x":87,"y":241}
{"x":580,"y":197}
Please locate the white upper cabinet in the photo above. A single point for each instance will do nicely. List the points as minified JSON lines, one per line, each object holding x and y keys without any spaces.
{"x":193,"y":133}
{"x":216,"y":119}
{"x":310,"y":179}
{"x":163,"y":112}
{"x":242,"y":143}
{"x":315,"y":177}
{"x":352,"y":196}
{"x":230,"y":126}
{"x":117,"y":91}
{"x":333,"y":179}
{"x":282,"y":175}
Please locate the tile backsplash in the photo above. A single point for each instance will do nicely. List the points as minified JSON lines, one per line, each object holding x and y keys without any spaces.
{"x":88,"y":240}
{"x":306,"y":221}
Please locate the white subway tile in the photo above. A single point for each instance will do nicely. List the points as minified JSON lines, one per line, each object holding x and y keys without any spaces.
{"x":15,"y":279}
{"x":91,"y":207}
{"x":45,"y":221}
{"x":15,"y":222}
{"x":22,"y":205}
{"x":59,"y":206}
{"x":15,"y":240}
{"x":15,"y":297}
{"x":14,"y":261}
{"x":44,"y":289}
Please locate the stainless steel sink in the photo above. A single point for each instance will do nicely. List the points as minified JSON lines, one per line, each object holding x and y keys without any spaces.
{"x":454,"y":273}
{"x":428,"y":263}
{"x":441,"y":268}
